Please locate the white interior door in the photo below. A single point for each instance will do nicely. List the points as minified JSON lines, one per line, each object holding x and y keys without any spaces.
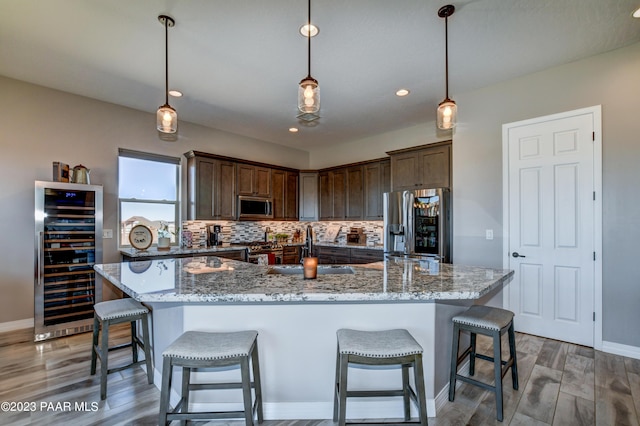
{"x":551,"y":225}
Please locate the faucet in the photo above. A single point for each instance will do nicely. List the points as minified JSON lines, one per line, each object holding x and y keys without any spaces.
{"x":309,"y":241}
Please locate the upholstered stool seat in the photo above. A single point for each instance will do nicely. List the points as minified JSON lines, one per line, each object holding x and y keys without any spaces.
{"x":116,"y":312}
{"x":387,"y":347}
{"x":202,"y":350}
{"x":493,"y":322}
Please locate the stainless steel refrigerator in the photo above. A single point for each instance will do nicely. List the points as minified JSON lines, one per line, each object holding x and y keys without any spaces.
{"x":418,"y":223}
{"x":68,"y":242}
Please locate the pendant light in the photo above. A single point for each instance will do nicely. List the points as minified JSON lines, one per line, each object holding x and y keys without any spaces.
{"x":166,"y":117}
{"x":447,"y":109}
{"x":308,"y":90}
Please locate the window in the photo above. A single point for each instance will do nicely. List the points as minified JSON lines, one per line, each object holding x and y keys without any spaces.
{"x":147,"y":193}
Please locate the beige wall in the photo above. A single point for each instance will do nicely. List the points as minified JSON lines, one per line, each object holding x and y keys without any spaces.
{"x":611,"y":80}
{"x":43,"y":125}
{"x":376,"y":146}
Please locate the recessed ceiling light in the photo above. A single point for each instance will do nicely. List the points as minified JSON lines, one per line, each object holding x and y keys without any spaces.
{"x":304,"y":30}
{"x":402,"y":92}
{"x":175,"y":93}
{"x":293,"y":129}
{"x":636,"y":14}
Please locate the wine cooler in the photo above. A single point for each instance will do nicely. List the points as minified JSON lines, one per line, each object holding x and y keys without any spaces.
{"x":68,"y":242}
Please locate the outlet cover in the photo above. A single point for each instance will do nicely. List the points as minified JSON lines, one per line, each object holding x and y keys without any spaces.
{"x":489,"y":234}
{"x":107,"y":233}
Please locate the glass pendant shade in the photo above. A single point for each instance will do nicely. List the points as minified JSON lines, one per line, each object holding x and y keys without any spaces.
{"x":447,"y":114}
{"x":167,"y":119}
{"x":309,"y":95}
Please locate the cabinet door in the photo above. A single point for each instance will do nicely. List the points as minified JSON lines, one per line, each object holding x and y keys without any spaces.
{"x":339,"y":178}
{"x":253,"y":180}
{"x":200,"y":188}
{"x":308,"y":196}
{"x":278,"y":180}
{"x":435,"y":167}
{"x":326,"y":195}
{"x":385,"y":168}
{"x":245,"y":179}
{"x":225,"y":190}
{"x":373,"y":191}
{"x":211,"y":186}
{"x":262,"y":181}
{"x":404,"y":169}
{"x":355,"y":193}
{"x":291,"y":196}
{"x":366,"y":255}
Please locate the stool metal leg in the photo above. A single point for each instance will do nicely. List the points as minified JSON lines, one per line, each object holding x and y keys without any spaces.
{"x":134,"y":345}
{"x":405,"y":391}
{"x":342,"y":394}
{"x":336,"y":386}
{"x":147,"y":348}
{"x":418,"y":373}
{"x":165,"y":390}
{"x":184,"y":394}
{"x":512,"y":352}
{"x":497,"y":368}
{"x":104,"y":359}
{"x":472,"y":355}
{"x":454,"y":361}
{"x":246,"y":391}
{"x":256,"y":381}
{"x":94,"y":354}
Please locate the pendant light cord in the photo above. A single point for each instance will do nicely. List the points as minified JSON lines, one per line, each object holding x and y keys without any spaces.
{"x":166,"y":61}
{"x":309,"y":39}
{"x":446,"y":56}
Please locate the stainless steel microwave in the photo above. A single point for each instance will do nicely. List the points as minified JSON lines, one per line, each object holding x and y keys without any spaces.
{"x":254,"y":208}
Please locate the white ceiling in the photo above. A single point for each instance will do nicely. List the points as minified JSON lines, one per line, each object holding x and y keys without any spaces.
{"x":238,"y":62}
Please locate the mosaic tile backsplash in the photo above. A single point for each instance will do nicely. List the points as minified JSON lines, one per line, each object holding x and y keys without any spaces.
{"x":246,"y":231}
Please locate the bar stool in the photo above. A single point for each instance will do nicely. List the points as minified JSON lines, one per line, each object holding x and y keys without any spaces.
{"x":202,"y":350}
{"x":492,"y":322}
{"x":116,"y":312}
{"x":388,"y":347}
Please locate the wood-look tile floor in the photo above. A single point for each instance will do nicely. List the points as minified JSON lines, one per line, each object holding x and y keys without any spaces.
{"x":560,"y":384}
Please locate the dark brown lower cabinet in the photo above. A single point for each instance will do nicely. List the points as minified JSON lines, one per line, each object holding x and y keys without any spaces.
{"x":290,"y":255}
{"x":345,"y":255}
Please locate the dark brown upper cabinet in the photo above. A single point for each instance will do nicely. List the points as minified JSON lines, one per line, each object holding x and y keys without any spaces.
{"x":284,"y":186}
{"x":211,"y":187}
{"x":428,"y":166}
{"x":377,"y":181}
{"x":254,"y":180}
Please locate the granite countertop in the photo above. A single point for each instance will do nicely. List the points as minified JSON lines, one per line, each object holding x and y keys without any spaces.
{"x":176,"y":251}
{"x":218,"y":280}
{"x":379,"y":247}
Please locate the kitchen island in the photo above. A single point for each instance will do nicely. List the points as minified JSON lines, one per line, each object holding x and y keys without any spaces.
{"x":297,"y":320}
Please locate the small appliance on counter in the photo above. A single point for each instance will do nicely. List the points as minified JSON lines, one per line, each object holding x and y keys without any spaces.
{"x":215,"y":235}
{"x":356,"y":236}
{"x":60,"y":172}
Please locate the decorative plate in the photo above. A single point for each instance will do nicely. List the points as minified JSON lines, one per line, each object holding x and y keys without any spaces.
{"x":140,"y":237}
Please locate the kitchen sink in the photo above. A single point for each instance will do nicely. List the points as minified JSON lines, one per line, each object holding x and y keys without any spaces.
{"x":322,"y":270}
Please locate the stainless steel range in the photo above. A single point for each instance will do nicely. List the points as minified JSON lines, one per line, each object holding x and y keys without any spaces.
{"x":257,"y":250}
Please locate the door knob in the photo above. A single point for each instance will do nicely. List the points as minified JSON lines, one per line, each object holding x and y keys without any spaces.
{"x":516,"y":254}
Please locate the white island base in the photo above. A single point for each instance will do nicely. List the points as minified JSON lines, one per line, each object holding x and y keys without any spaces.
{"x":297,"y":349}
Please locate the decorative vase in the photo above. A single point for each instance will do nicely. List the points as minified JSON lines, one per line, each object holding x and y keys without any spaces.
{"x":164,"y":243}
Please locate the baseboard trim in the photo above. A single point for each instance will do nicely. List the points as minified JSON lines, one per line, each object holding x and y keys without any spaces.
{"x":16,"y":325}
{"x":619,"y":349}
{"x":378,"y":409}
